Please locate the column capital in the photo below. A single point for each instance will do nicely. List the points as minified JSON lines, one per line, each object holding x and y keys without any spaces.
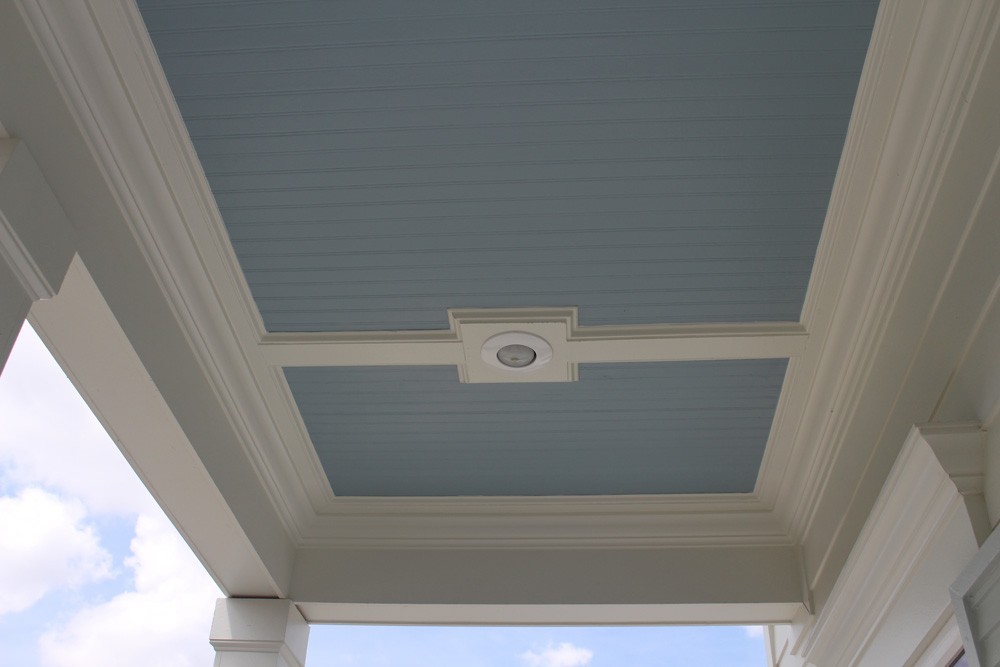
{"x":258,"y":632}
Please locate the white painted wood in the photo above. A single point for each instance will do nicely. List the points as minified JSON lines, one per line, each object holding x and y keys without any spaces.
{"x":249,"y":632}
{"x":908,"y":112}
{"x":36,"y":239}
{"x":87,"y":341}
{"x":14,"y":304}
{"x":892,"y":598}
{"x":931,"y":222}
{"x":596,"y":344}
{"x":514,"y":586}
{"x":976,"y":596}
{"x":553,"y":614}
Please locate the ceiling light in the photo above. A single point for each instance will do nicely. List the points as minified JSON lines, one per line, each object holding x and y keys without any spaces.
{"x":516,"y":356}
{"x":516,"y":351}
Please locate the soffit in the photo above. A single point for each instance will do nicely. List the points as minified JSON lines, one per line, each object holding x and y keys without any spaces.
{"x":378,"y":165}
{"x":686,"y":427}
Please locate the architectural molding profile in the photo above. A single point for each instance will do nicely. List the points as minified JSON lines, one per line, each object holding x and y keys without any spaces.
{"x":257,"y":632}
{"x":233,"y":466}
{"x":573,"y":344}
{"x":36,"y":243}
{"x":893,"y":591}
{"x":976,"y":597}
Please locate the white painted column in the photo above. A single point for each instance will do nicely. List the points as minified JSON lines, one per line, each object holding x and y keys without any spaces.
{"x":36,"y":242}
{"x":257,"y":632}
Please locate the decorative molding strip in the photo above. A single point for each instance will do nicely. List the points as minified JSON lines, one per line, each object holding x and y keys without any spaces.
{"x":101,"y":57}
{"x":908,"y":115}
{"x":574,"y":344}
{"x":918,"y":535}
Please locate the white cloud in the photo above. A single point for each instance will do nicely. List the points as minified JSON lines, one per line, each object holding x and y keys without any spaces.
{"x":561,"y":655}
{"x":754,"y":630}
{"x":51,"y":438}
{"x":45,"y":546}
{"x":163,"y":622}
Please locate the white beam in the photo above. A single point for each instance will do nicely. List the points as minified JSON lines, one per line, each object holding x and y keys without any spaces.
{"x":687,"y":342}
{"x":84,"y":337}
{"x":584,"y":344}
{"x":738,"y":584}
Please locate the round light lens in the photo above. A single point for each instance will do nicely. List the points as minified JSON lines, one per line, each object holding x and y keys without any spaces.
{"x":516,"y":356}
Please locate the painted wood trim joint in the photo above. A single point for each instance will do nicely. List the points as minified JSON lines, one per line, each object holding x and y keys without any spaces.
{"x":573,"y":344}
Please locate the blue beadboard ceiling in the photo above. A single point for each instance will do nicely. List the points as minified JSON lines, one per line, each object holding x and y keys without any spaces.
{"x":656,"y":161}
{"x":650,"y":162}
{"x":682,"y":427}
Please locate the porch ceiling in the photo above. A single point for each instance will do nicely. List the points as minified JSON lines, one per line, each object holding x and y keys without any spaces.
{"x":376,"y":165}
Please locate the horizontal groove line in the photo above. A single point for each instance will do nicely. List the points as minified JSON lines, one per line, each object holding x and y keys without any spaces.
{"x":405,"y":18}
{"x":193,"y":76}
{"x":506,"y":105}
{"x":800,"y":275}
{"x":582,"y":291}
{"x":520,"y":181}
{"x":555,"y":293}
{"x":580,"y":262}
{"x":174,"y":6}
{"x":517,"y":249}
{"x":617,"y":304}
{"x":518,"y":83}
{"x":791,"y":226}
{"x":496,"y":39}
{"x":215,"y":173}
{"x":547,"y":198}
{"x":205,"y":155}
{"x":553,"y":123}
{"x":517,"y":216}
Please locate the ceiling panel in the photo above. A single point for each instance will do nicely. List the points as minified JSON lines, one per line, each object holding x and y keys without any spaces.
{"x":680,"y":427}
{"x":377,"y":163}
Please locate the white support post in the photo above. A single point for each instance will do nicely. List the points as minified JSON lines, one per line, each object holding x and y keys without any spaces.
{"x":257,"y":632}
{"x":36,"y":244}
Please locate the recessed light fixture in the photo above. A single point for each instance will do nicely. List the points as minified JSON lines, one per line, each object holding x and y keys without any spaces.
{"x":517,"y":351}
{"x":516,"y":356}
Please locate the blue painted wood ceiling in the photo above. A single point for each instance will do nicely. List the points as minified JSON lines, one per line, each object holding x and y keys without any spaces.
{"x":375,"y":163}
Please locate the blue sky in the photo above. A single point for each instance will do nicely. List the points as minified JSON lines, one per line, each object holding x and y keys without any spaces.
{"x":93,"y":574}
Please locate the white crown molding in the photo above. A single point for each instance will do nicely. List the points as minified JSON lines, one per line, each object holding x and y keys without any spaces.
{"x":108,"y":68}
{"x":102,"y":56}
{"x":917,"y":538}
{"x":100,"y":53}
{"x":908,"y":114}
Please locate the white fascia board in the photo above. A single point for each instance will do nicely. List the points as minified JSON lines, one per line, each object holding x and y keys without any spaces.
{"x":513,"y":586}
{"x":759,"y":613}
